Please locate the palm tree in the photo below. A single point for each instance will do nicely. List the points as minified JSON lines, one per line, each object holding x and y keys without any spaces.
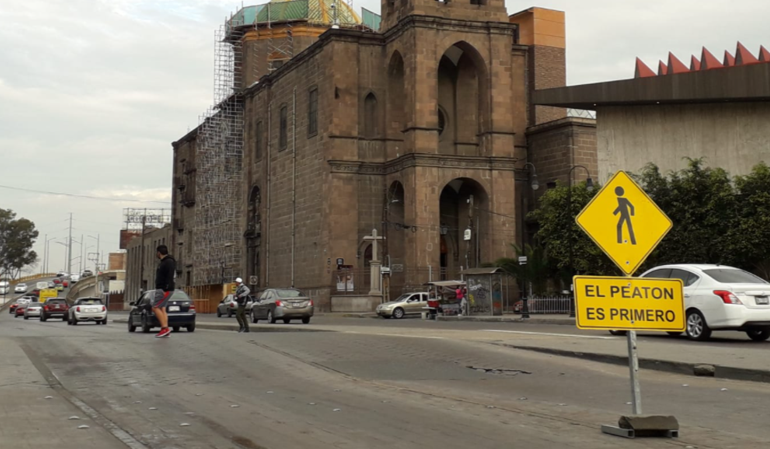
{"x":534,"y":273}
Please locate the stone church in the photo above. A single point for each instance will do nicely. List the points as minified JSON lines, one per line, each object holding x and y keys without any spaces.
{"x":418,"y":124}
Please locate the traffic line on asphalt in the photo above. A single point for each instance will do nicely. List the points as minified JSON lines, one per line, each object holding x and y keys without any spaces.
{"x":393,"y":335}
{"x":594,"y":337}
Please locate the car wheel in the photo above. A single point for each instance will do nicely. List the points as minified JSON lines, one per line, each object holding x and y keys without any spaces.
{"x":104,"y":322}
{"x":176,"y":328}
{"x":306,"y":320}
{"x":64,"y":318}
{"x":398,"y":313}
{"x":254,"y":317}
{"x":619,"y":333}
{"x":74,"y":321}
{"x":286,"y":321}
{"x":131,"y":327}
{"x":697,"y":329}
{"x":26,"y":317}
{"x":219,"y":313}
{"x":145,"y":326}
{"x":674,"y":334}
{"x":758,"y":334}
{"x":270,"y":318}
{"x":229,"y":313}
{"x":191,"y":328}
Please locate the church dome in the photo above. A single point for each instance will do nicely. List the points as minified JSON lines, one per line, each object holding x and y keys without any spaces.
{"x":319,"y":12}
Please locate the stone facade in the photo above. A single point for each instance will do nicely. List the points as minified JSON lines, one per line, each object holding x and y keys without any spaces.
{"x":183,"y":197}
{"x":417,"y":131}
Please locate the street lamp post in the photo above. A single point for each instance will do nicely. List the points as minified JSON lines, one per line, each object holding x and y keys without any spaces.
{"x":589,"y":187}
{"x":535,"y":185}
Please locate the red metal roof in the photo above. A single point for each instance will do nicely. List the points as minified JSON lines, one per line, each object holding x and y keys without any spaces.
{"x":707,"y":61}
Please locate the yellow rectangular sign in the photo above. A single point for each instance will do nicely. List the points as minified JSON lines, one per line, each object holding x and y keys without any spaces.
{"x":624,"y":303}
{"x":47,"y":294}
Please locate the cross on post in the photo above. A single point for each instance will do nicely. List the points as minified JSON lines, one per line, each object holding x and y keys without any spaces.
{"x":374,"y":238}
{"x":376,"y":274}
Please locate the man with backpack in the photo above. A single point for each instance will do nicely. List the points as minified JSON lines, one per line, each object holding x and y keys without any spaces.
{"x":241,"y":297}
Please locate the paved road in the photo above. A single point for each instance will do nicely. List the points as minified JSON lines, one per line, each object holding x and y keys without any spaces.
{"x":335,"y":390}
{"x":720,"y":339}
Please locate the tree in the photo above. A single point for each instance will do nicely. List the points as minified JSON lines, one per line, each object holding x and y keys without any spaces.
{"x":535,"y":272}
{"x":701,"y":202}
{"x":561,"y":236}
{"x":16,"y":240}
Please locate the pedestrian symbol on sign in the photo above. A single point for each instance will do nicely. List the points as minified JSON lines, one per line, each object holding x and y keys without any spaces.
{"x":626,"y":211}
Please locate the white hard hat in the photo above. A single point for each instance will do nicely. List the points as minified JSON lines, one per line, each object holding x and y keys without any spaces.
{"x":239,"y":280}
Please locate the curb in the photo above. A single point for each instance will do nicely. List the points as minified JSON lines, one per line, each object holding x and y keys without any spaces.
{"x":722,"y":372}
{"x":564,"y":322}
{"x":252,"y":327}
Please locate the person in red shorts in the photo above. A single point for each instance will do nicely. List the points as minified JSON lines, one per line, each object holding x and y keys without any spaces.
{"x":164,"y":287}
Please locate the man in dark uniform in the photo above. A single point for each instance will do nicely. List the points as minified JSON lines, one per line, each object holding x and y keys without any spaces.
{"x":164,"y":287}
{"x":241,"y":297}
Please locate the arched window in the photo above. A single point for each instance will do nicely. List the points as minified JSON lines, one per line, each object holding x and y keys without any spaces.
{"x":371,"y":117}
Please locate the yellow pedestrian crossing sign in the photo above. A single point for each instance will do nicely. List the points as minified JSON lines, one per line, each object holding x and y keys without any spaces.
{"x":624,"y":222}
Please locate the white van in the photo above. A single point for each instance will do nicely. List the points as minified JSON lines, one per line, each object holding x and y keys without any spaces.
{"x":41,"y":285}
{"x":5,"y":287}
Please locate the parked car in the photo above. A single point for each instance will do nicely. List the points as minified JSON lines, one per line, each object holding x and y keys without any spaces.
{"x":87,"y":309}
{"x":227,"y":306}
{"x":719,"y":297}
{"x":21,"y":288}
{"x":282,"y":303}
{"x":55,"y":308}
{"x":408,"y":303}
{"x":32,"y":309}
{"x":180,"y":310}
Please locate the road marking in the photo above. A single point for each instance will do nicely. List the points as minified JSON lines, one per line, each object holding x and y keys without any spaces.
{"x":594,"y":337}
{"x":393,"y":335}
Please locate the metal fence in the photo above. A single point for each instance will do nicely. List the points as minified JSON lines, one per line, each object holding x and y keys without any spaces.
{"x":554,"y":305}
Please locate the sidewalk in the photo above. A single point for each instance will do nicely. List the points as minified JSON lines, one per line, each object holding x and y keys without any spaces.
{"x":30,"y":421}
{"x":533,"y":319}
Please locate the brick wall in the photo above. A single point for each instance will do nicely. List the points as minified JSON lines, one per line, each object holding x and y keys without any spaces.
{"x":555,"y":146}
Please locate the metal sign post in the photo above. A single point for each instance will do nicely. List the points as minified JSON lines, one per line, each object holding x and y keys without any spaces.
{"x":627,"y":225}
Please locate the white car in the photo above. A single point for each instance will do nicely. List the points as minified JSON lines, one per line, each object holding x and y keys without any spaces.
{"x":21,"y":288}
{"x":718,"y":297}
{"x":87,"y":309}
{"x":74,"y":279}
{"x":32,"y":309}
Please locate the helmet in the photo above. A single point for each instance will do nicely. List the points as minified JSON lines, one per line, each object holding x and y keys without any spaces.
{"x":238,"y":281}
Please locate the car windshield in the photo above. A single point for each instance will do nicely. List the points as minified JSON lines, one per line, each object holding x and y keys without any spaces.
{"x":289,"y":293}
{"x":729,"y":276}
{"x":89,"y":301}
{"x":404,"y":297}
{"x":55,"y":301}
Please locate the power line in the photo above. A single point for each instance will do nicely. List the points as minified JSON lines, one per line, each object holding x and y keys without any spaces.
{"x":89,"y":197}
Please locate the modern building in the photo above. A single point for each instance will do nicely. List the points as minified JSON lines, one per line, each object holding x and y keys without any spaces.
{"x":713,"y":109}
{"x":330,"y":125}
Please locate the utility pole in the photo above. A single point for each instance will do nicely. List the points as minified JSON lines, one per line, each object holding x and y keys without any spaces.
{"x":69,"y":249}
{"x":471,"y":238}
{"x":82,"y":263}
{"x":45,"y":255}
{"x":141,"y":253}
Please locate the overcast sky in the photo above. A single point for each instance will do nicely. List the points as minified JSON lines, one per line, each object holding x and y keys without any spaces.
{"x":93,"y":92}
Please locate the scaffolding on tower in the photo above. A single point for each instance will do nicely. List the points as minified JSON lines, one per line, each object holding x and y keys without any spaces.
{"x":219,"y":153}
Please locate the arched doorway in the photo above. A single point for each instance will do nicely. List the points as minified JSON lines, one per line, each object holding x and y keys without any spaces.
{"x":463,"y":207}
{"x":253,"y":237}
{"x":461,"y":100}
